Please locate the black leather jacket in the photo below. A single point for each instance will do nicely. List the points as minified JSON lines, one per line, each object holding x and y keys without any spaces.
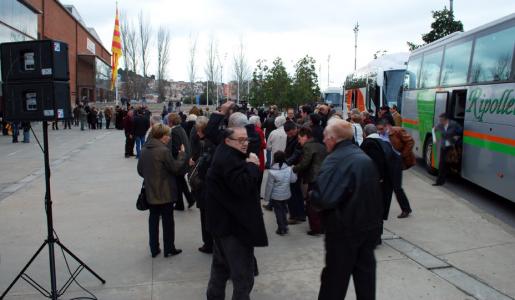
{"x":347,"y":191}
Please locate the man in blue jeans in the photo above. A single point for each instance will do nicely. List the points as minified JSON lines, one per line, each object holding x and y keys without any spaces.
{"x":141,"y":125}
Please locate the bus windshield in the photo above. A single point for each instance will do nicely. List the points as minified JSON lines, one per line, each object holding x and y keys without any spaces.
{"x":333,"y":98}
{"x":393,"y":87}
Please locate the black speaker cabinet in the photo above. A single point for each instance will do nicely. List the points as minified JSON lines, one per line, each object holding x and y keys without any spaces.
{"x":37,"y":101}
{"x":34,"y":60}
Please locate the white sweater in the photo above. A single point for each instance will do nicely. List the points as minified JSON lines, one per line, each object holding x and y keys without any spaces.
{"x":278,"y":183}
{"x":276,"y":141}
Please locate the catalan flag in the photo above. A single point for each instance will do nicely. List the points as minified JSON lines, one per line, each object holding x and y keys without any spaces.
{"x":116,"y":49}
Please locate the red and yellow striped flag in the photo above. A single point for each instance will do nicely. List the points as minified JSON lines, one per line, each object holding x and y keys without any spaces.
{"x":116,"y":49}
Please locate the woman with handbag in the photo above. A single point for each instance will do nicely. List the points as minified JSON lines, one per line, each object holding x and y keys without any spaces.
{"x":159,"y":170}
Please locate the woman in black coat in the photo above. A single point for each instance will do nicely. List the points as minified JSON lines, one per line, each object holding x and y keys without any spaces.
{"x":178,"y":139}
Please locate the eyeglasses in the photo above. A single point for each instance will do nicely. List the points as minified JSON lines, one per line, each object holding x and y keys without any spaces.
{"x":242,"y":141}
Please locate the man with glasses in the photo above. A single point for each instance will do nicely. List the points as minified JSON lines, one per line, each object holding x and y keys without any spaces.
{"x":234,"y":215}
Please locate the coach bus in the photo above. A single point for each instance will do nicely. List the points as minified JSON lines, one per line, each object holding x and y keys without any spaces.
{"x":470,"y":77}
{"x":334,"y":97}
{"x":377,"y":84}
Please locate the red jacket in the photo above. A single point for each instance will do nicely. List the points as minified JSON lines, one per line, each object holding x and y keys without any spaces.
{"x":262,"y":148}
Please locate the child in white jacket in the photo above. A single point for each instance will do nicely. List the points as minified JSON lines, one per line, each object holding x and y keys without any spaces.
{"x":277,"y":191}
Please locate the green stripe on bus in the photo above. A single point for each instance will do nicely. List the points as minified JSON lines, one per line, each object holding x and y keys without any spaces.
{"x":410,"y":126}
{"x":506,"y":149}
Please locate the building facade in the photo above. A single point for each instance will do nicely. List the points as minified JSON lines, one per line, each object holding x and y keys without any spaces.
{"x":89,"y":60}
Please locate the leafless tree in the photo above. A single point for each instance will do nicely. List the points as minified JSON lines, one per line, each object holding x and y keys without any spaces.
{"x":241,"y":70}
{"x":192,"y":68}
{"x":163,"y":58}
{"x":129,"y":53}
{"x":145,"y":37}
{"x":211,"y":68}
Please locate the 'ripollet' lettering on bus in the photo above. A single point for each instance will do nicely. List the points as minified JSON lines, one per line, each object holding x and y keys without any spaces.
{"x":496,"y":106}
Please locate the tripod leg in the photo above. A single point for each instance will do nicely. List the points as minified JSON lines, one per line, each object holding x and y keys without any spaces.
{"x":24,"y":269}
{"x":81,"y":262}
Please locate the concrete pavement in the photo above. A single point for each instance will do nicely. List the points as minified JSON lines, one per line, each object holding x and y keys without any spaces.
{"x":445,"y":250}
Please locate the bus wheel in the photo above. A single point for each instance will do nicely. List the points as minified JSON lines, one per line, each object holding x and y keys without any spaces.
{"x":428,"y":153}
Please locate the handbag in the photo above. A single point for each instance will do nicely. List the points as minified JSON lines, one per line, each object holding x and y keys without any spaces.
{"x":141,"y":203}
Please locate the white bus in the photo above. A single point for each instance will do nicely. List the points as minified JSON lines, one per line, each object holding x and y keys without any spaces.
{"x":377,"y":84}
{"x":470,"y":76}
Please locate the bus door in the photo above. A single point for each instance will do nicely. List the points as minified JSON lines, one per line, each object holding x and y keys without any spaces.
{"x":456,"y":112}
{"x":441,"y":104}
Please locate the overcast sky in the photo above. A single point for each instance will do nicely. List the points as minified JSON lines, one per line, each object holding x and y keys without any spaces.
{"x":289,"y":29}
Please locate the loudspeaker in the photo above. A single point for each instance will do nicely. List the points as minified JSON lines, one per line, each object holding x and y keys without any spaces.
{"x":34,"y":60}
{"x":36,"y":101}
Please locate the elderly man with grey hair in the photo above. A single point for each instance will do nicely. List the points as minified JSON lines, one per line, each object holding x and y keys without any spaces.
{"x":237,"y":119}
{"x":347,"y":192}
{"x":277,"y":139}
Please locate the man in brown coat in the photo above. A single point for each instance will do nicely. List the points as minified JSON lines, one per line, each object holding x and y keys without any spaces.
{"x":397,"y":118}
{"x":402,"y":144}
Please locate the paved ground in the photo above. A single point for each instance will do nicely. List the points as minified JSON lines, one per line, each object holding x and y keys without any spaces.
{"x":448,"y":249}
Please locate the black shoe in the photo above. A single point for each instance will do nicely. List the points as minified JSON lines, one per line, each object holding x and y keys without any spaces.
{"x":173,"y":252}
{"x":313,"y":233}
{"x":404,"y":215}
{"x":280,"y":232}
{"x":156,"y":254}
{"x":206,"y":249}
{"x":438,"y":184}
{"x":267,"y":207}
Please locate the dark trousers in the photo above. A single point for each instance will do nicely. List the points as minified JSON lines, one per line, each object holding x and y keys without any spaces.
{"x":281,"y":211}
{"x":346,"y":256}
{"x":235,"y":260}
{"x":108,"y":123}
{"x":207,"y":238}
{"x":182,"y":188}
{"x":129,"y":145}
{"x":443,"y":166}
{"x":165,"y":211}
{"x":296,"y":202}
{"x":399,"y":191}
{"x":315,"y":224}
{"x":67,"y":124}
{"x":99,"y":124}
{"x":396,"y":186}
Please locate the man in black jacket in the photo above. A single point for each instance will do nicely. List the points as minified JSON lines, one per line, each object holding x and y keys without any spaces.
{"x":451,"y":134}
{"x":294,"y":154}
{"x":348,"y":193}
{"x":141,"y":126}
{"x":234,"y":216}
{"x":386,"y":162}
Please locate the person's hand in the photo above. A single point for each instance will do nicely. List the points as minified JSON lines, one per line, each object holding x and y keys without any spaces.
{"x":253,"y":159}
{"x":183,"y":149}
{"x":224,"y":109}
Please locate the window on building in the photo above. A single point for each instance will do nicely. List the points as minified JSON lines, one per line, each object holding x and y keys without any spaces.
{"x":456,"y":64}
{"x":493,"y":54}
{"x":20,"y":17}
{"x":430,"y":69}
{"x":410,"y":79}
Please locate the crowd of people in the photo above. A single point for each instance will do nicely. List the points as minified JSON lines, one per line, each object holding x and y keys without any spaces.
{"x":337,"y":172}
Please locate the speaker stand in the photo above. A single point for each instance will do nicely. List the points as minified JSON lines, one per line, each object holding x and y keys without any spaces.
{"x":52,"y":241}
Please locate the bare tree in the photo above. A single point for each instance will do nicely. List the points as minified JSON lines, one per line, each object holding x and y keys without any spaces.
{"x":241,"y":70}
{"x":145,"y":37}
{"x":163,"y":58}
{"x":211,"y":69}
{"x":192,"y":68}
{"x":129,"y":53}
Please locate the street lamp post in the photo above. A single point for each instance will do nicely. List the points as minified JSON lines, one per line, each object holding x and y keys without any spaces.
{"x":356,"y":29}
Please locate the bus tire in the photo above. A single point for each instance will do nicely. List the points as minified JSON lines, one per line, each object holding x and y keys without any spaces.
{"x":428,"y":153}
